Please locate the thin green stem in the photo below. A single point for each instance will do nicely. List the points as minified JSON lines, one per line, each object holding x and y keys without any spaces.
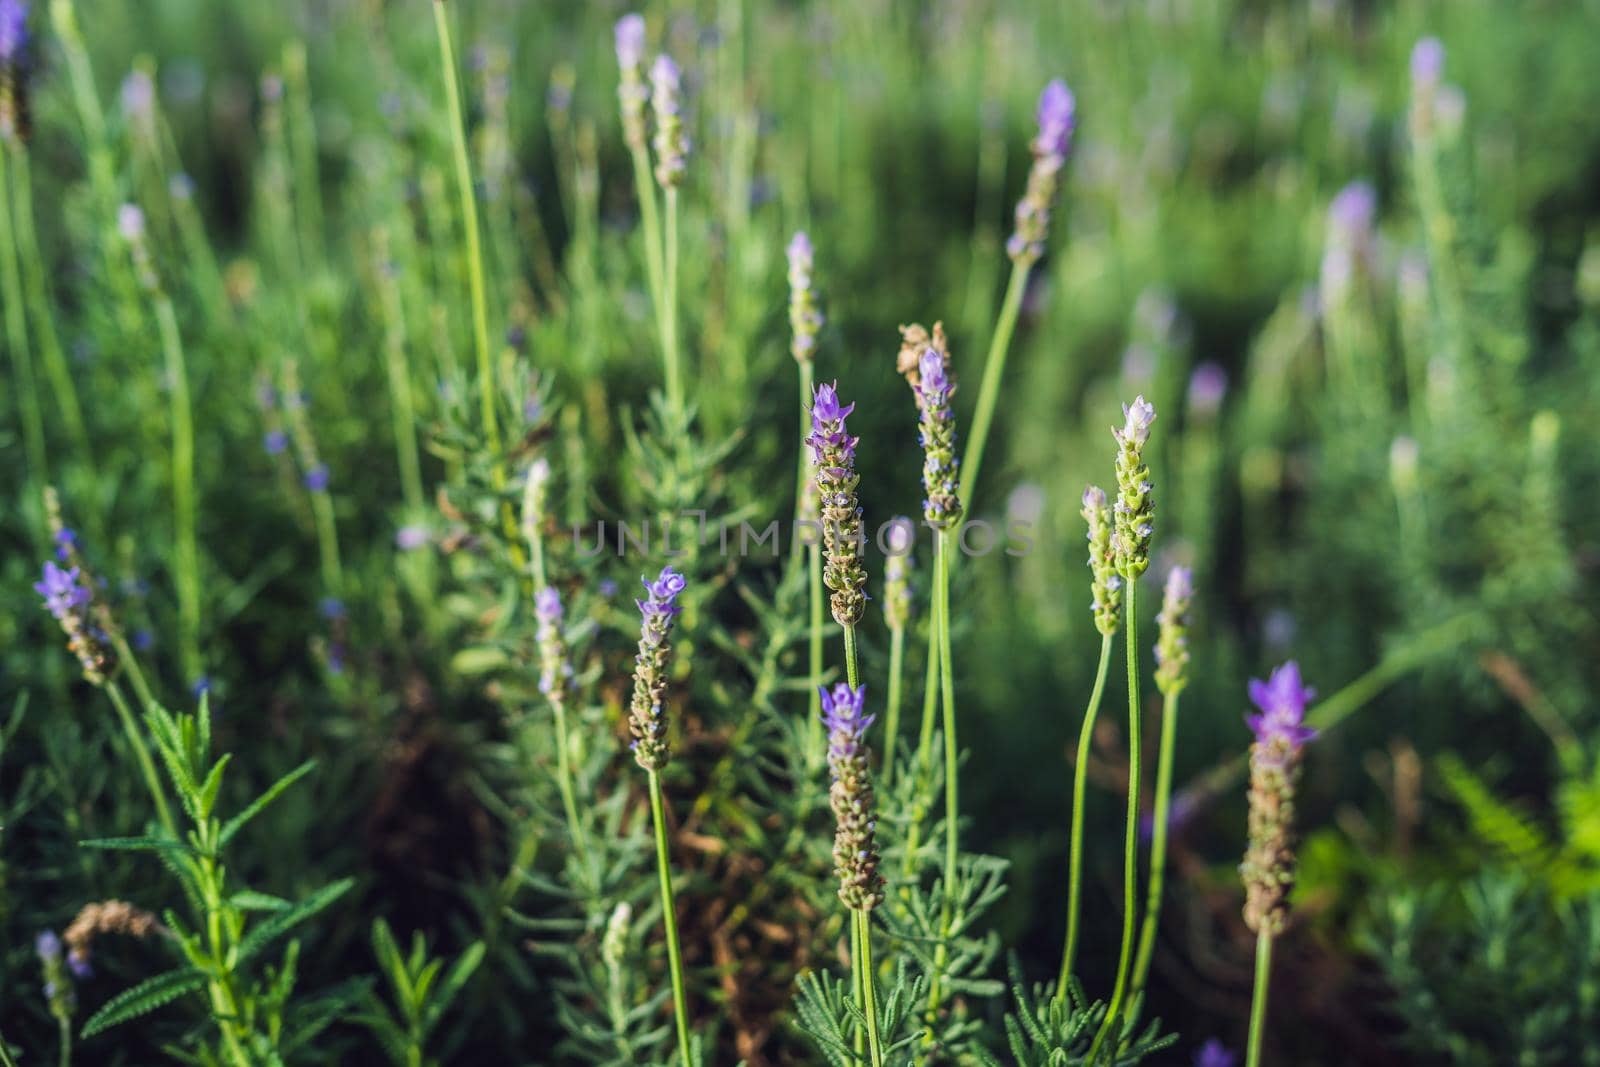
{"x":64,"y":1029}
{"x":814,"y":650}
{"x":858,"y":981}
{"x":402,"y":403}
{"x":469,"y":219}
{"x":891,"y":726}
{"x":5,"y":1051}
{"x":187,"y":546}
{"x":141,"y":752}
{"x":669,"y":918}
{"x":17,"y":338}
{"x":669,"y":311}
{"x":649,"y":221}
{"x":1080,"y":780}
{"x":1258,"y":999}
{"x":952,"y":806}
{"x":565,"y":783}
{"x":1130,"y":859}
{"x":1158,"y":844}
{"x":852,"y":671}
{"x":869,"y":985}
{"x":993,"y":369}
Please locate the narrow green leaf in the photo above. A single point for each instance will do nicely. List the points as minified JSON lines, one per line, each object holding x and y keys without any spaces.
{"x":282,"y":922}
{"x":136,"y":844}
{"x":459,"y":974}
{"x":213,"y":782}
{"x":237,"y":823}
{"x":250,"y":900}
{"x":147,"y":996}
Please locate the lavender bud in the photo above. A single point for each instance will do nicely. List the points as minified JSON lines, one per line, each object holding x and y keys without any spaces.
{"x":555,"y":668}
{"x":1280,"y":735}
{"x":535,"y":495}
{"x":1105,"y":585}
{"x":805,"y":320}
{"x":1215,"y":1054}
{"x":317,"y":478}
{"x":138,"y":96}
{"x":13,"y":30}
{"x":68,"y":594}
{"x":1427,"y":63}
{"x":929,"y":375}
{"x":671,"y":140}
{"x":411,"y":537}
{"x":632,"y":94}
{"x":1172,"y":644}
{"x":833,"y":453}
{"x":130,"y":223}
{"x":1134,"y":513}
{"x":897,"y":575}
{"x":1057,"y":119}
{"x":855,"y":846}
{"x":1208,"y":386}
{"x":646,"y":717}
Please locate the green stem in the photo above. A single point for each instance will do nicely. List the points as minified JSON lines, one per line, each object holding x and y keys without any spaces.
{"x":952,"y":813}
{"x":869,"y":985}
{"x":1130,"y":859}
{"x":891,"y":726}
{"x":1080,"y":780}
{"x":141,"y":752}
{"x":649,"y":222}
{"x":64,"y":1028}
{"x":1258,"y":998}
{"x":5,"y":1051}
{"x":669,"y":917}
{"x":187,"y":547}
{"x":852,"y":671}
{"x":669,"y":312}
{"x":993,"y":369}
{"x":403,"y":408}
{"x":814,"y":652}
{"x":17,"y":339}
{"x":469,"y":218}
{"x":858,"y":980}
{"x":1158,"y":844}
{"x":568,"y":795}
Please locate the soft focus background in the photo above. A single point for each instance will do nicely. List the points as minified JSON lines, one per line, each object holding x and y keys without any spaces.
{"x":1376,"y":446}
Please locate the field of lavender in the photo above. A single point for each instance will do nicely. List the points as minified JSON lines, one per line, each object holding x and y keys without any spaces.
{"x":546,"y":533}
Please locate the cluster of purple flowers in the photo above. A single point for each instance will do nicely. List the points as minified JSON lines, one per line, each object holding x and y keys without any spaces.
{"x":646,"y":717}
{"x":1281,"y":733}
{"x":805,"y":319}
{"x":833,"y":450}
{"x":855,"y":846}
{"x":555,"y":670}
{"x":68,"y":594}
{"x":1134,"y":513}
{"x":1057,"y":118}
{"x":13,"y":84}
{"x":671,"y":139}
{"x":631,"y":90}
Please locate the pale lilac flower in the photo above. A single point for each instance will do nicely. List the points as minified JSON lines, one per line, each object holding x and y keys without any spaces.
{"x":1208,"y":386}
{"x":130,"y":223}
{"x":671,"y":140}
{"x":317,"y":478}
{"x":13,"y":29}
{"x":646,"y":716}
{"x":547,"y":605}
{"x":276,"y":442}
{"x":1427,"y":63}
{"x":1214,"y":1054}
{"x":1137,"y":418}
{"x":855,"y":846}
{"x":411,"y":537}
{"x":1282,"y":699}
{"x":138,"y":97}
{"x":1057,"y":117}
{"x":630,"y":40}
{"x":62,"y":591}
{"x":66,"y":540}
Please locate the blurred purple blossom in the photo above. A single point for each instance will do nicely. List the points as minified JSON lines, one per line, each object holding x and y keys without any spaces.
{"x":62,"y":592}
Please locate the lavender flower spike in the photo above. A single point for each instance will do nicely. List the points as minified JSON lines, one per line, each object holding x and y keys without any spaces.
{"x":1105,"y":585}
{"x":897,"y":574}
{"x":671,"y":141}
{"x":555,"y":669}
{"x":855,"y":846}
{"x":646,"y":716}
{"x":833,"y":451}
{"x":1057,"y":119}
{"x":68,"y":594}
{"x":1135,"y":510}
{"x":925,"y":361}
{"x":13,"y":29}
{"x":1172,"y":645}
{"x":632,"y":95}
{"x":1281,"y":733}
{"x":805,"y":320}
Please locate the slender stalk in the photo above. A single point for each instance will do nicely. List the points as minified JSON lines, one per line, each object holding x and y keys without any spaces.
{"x":1258,"y":999}
{"x":1080,"y":780}
{"x":1130,"y":861}
{"x":402,"y":403}
{"x":952,"y":814}
{"x":858,"y":982}
{"x":930,"y":709}
{"x":669,"y":312}
{"x":141,"y":752}
{"x":869,"y":985}
{"x":565,"y":783}
{"x":891,"y":726}
{"x":814,"y":652}
{"x":64,"y":1028}
{"x":469,"y":219}
{"x":993,"y":369}
{"x":649,"y":221}
{"x":187,"y":546}
{"x":1158,"y":845}
{"x":17,"y":338}
{"x":669,"y":917}
{"x":852,"y":671}
{"x":5,"y":1049}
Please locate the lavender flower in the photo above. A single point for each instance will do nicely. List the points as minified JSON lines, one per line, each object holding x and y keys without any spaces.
{"x":805,"y":320}
{"x":276,"y":442}
{"x":1281,"y":733}
{"x":13,"y":82}
{"x":1105,"y":585}
{"x":1135,"y":510}
{"x":925,"y":362}
{"x":57,"y":984}
{"x":1172,"y":644}
{"x":833,"y":453}
{"x":671,"y":140}
{"x":13,"y":29}
{"x":1214,"y":1054}
{"x":317,"y":478}
{"x":897,"y":575}
{"x":555,"y":670}
{"x":855,"y":846}
{"x":1427,"y":63}
{"x":68,"y":594}
{"x":1057,"y":119}
{"x":1208,"y":386}
{"x":535,"y":497}
{"x":138,"y":97}
{"x":646,"y":717}
{"x":631,"y":92}
{"x":411,"y":537}
{"x":130,"y":223}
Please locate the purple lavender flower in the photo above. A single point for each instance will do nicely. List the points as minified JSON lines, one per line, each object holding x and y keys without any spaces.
{"x":48,"y":946}
{"x":1427,"y":63}
{"x":554,"y":666}
{"x":66,"y":541}
{"x":13,"y":29}
{"x":834,"y":468}
{"x":276,"y":442}
{"x":671,"y":140}
{"x":646,"y":716}
{"x":855,"y":847}
{"x":411,"y":537}
{"x":1172,"y":647}
{"x":138,"y":97}
{"x":1208,"y":386}
{"x":130,"y":223}
{"x":1214,"y":1054}
{"x":1352,"y":211}
{"x":1057,"y":118}
{"x":941,"y":504}
{"x":317,"y":478}
{"x":1282,"y":699}
{"x":547,"y":605}
{"x":630,"y":40}
{"x":331,"y":607}
{"x":805,"y":320}
{"x":607,"y":588}
{"x":62,"y":591}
